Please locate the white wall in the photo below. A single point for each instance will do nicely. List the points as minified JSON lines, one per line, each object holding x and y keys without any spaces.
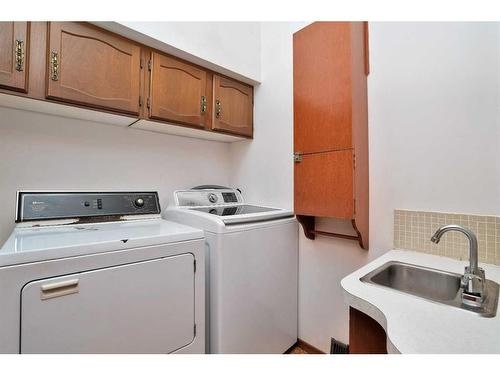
{"x":262,"y":168}
{"x":55,"y":153}
{"x":46,"y":152}
{"x":434,"y":134}
{"x":434,"y":138}
{"x":434,"y":123}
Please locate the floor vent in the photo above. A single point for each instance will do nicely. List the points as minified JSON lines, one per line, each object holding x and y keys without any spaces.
{"x":337,"y":347}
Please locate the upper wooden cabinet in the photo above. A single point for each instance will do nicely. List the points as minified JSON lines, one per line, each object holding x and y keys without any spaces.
{"x":232,"y":107}
{"x":81,"y":65}
{"x":91,"y":66}
{"x":324,"y":185}
{"x":14,"y":54}
{"x":178,"y":91}
{"x":324,"y":78}
{"x":330,"y":65}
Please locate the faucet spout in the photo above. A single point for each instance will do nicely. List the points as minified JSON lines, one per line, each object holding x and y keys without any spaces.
{"x":473,"y":255}
{"x":473,"y":280}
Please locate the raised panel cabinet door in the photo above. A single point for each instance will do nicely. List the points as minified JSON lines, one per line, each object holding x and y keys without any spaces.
{"x":178,"y":91}
{"x":324,"y":185}
{"x":92,"y":67}
{"x":322,"y":87}
{"x":14,"y":52}
{"x":233,"y":107}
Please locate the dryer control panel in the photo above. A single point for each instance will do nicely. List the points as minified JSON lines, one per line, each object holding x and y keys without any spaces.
{"x":64,"y":205}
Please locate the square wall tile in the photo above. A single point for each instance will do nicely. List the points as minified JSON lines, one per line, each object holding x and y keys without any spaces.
{"x":414,"y":229}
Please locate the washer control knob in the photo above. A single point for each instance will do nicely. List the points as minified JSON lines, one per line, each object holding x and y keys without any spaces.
{"x":212,"y":197}
{"x":139,"y":202}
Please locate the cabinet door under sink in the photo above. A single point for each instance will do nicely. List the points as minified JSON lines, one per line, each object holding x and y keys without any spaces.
{"x":144,"y":307}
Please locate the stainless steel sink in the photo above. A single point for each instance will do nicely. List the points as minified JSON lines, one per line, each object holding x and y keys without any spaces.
{"x":431,"y":284}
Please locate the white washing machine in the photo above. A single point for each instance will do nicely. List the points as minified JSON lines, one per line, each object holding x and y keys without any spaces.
{"x":251,"y":268}
{"x":100,"y":273}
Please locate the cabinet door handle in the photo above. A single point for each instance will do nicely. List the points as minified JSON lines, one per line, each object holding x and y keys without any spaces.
{"x":54,"y":66}
{"x":59,"y":289}
{"x":218,"y":109}
{"x":203,"y":102}
{"x":19,"y":55}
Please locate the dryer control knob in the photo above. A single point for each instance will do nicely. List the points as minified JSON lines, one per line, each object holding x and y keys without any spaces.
{"x":212,"y":197}
{"x":139,"y":202}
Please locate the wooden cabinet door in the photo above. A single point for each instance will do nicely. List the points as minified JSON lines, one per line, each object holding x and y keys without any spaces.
{"x":14,"y":52}
{"x":233,"y":107}
{"x":366,"y":336}
{"x":324,"y":185}
{"x":178,"y":91}
{"x":322,"y":87}
{"x":90,"y":66}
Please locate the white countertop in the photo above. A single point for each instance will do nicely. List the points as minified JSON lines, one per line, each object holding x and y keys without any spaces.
{"x":415,"y":325}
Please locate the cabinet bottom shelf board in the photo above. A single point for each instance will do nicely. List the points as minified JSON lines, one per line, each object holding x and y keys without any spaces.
{"x":309,"y":223}
{"x":184,"y":131}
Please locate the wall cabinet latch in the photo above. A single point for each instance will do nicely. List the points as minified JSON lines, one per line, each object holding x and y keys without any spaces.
{"x":203,"y":102}
{"x":19,"y":53}
{"x":297,"y":157}
{"x":54,"y":66}
{"x":218,"y":109}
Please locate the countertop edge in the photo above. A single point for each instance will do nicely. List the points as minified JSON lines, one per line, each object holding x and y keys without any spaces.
{"x":415,"y":325}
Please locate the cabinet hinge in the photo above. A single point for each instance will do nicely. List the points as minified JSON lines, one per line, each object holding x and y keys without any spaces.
{"x":148,"y":103}
{"x":297,"y":157}
{"x":194,"y":329}
{"x":140,"y":101}
{"x":194,"y":263}
{"x":354,"y":161}
{"x":149,"y":65}
{"x":354,"y":207}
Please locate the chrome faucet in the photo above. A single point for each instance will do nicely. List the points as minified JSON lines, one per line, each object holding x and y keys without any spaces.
{"x":473,"y":279}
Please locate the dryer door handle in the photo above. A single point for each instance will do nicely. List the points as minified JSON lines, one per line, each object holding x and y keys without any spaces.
{"x":59,"y":289}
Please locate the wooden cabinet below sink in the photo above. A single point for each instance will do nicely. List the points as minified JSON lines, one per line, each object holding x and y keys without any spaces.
{"x":366,"y":336}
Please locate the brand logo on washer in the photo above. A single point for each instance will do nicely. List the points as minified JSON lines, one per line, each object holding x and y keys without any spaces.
{"x":212,"y":197}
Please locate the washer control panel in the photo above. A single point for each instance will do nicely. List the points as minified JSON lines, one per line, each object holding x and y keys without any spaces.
{"x":64,"y":205}
{"x":207,"y":197}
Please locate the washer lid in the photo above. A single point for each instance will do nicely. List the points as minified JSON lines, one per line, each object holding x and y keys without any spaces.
{"x":240,"y":214}
{"x":54,"y":242}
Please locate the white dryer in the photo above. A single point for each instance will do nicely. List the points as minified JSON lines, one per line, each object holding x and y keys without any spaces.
{"x":100,"y":273}
{"x":251,"y":268}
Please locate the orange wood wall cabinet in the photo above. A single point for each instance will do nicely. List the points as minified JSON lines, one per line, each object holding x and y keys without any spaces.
{"x":178,"y":91}
{"x":14,"y":56}
{"x":330,"y":67}
{"x":233,"y":106}
{"x":79,"y":64}
{"x":93,"y":67}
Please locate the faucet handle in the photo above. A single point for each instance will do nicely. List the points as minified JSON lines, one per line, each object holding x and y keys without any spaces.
{"x":473,"y":287}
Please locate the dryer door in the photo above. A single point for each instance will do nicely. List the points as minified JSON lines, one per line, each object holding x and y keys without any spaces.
{"x":144,"y":307}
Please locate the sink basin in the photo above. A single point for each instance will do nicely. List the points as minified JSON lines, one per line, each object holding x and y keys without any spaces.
{"x":431,"y":284}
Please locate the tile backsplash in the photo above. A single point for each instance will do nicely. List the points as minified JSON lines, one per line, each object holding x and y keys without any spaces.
{"x":413,"y":230}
